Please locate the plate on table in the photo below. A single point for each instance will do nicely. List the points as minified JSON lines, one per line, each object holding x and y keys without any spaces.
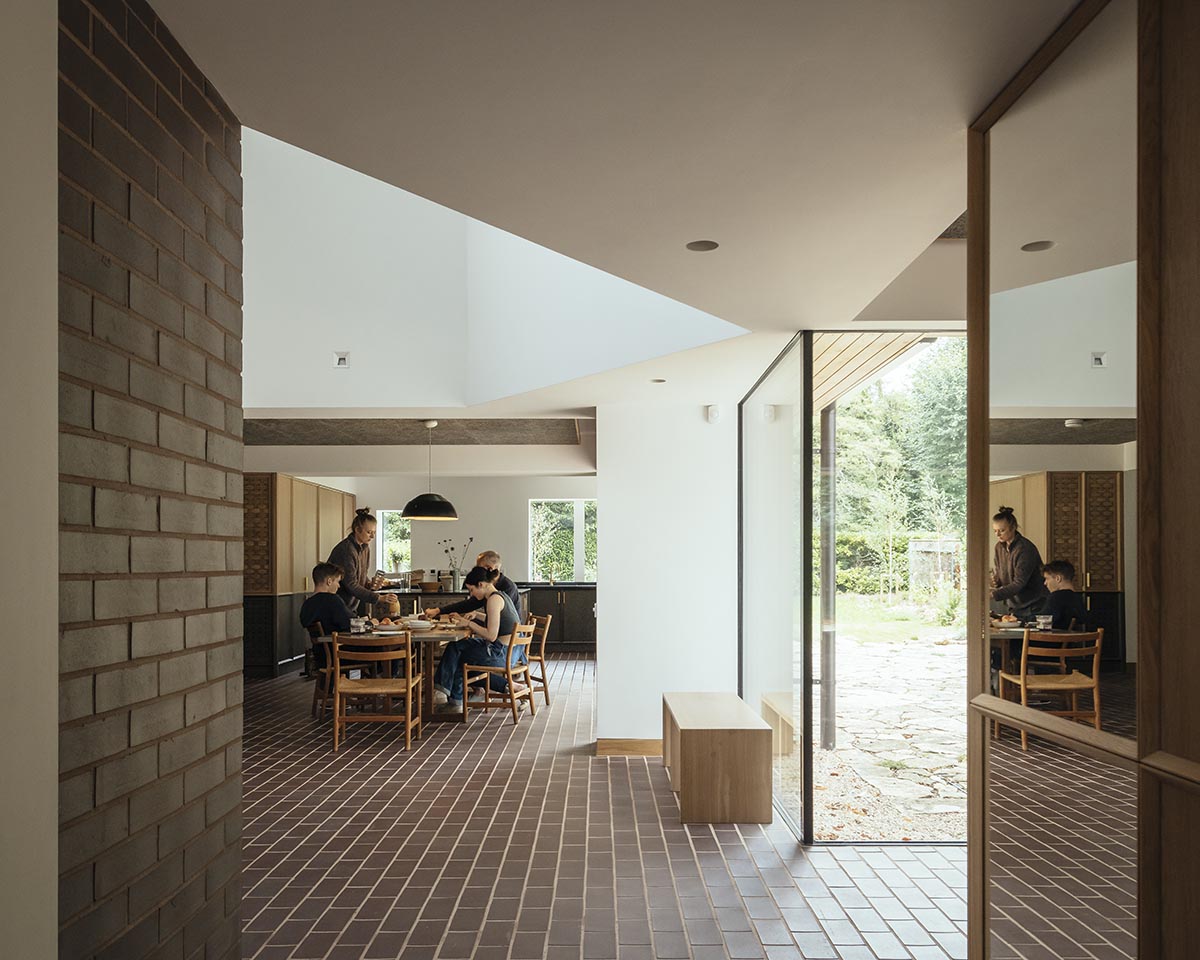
{"x":418,"y":625}
{"x":388,"y":628}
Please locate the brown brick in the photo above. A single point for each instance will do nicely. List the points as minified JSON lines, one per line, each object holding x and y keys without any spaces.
{"x":205,"y":334}
{"x":225,"y":867}
{"x":233,"y":285}
{"x":87,"y":75}
{"x":179,"y":673}
{"x":153,"y":137}
{"x":223,"y":240}
{"x":135,"y":941}
{"x":226,"y":452}
{"x":224,"y":521}
{"x":181,"y":516}
{"x":148,"y":891}
{"x":79,"y":164}
{"x":156,"y":221}
{"x":92,"y":741}
{"x":234,"y":691}
{"x":81,"y":841}
{"x":128,"y":685}
{"x":202,"y":112}
{"x":156,"y":387}
{"x":177,"y":752}
{"x":86,"y":360}
{"x":74,"y":209}
{"x":126,"y":511}
{"x":115,"y":599}
{"x":116,"y":867}
{"x":113,"y":11}
{"x":95,"y":459}
{"x":115,"y":238}
{"x":75,"y":893}
{"x":181,"y":437}
{"x":74,"y":405}
{"x":74,"y":17}
{"x":76,"y":796}
{"x":224,"y":591}
{"x":148,"y":299}
{"x":228,"y":313}
{"x":151,"y":637}
{"x":75,"y":600}
{"x":202,"y":850}
{"x":155,"y":719}
{"x":234,"y":623}
{"x":233,"y":352}
{"x":115,"y":55}
{"x":84,"y":935}
{"x":233,"y":758}
{"x":118,"y":327}
{"x":182,"y":127}
{"x":201,"y":927}
{"x":178,"y":54}
{"x":86,"y":552}
{"x":74,"y":113}
{"x":225,"y":660}
{"x":226,"y":382}
{"x":91,"y":647}
{"x":202,"y":629}
{"x":180,"y":593}
{"x":155,"y":554}
{"x":225,"y":173}
{"x":204,"y":481}
{"x":151,"y":470}
{"x":182,"y":359}
{"x":233,"y":421}
{"x":154,"y":55}
{"x":74,"y":504}
{"x":202,"y":258}
{"x":234,"y":555}
{"x":186,"y":901}
{"x":156,"y":801}
{"x":83,"y":262}
{"x":179,"y":279}
{"x":74,"y":307}
{"x":120,"y":418}
{"x":173,"y":195}
{"x":75,"y":698}
{"x":203,"y":184}
{"x":115,"y":145}
{"x":205,"y":555}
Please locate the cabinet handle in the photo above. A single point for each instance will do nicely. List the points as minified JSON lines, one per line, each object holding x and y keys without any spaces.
{"x":1087,"y":580}
{"x":1089,"y":603}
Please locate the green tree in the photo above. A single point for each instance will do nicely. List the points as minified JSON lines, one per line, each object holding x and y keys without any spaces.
{"x":935,"y":441}
{"x":552,"y":539}
{"x":397,"y":541}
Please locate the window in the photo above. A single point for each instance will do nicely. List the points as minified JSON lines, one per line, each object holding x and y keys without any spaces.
{"x":394,"y":542}
{"x":562,"y":540}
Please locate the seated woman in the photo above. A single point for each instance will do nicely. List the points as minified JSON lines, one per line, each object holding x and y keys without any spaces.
{"x":1064,"y":603}
{"x":487,"y":647}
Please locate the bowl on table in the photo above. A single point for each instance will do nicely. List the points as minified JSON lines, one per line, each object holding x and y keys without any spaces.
{"x":389,"y":628}
{"x":418,"y":625}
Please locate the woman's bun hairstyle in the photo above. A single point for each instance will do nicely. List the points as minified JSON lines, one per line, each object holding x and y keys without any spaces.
{"x":1006,"y":514}
{"x":362,"y":516}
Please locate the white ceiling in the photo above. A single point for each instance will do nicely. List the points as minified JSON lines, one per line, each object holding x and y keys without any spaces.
{"x":931,"y":291}
{"x":821,"y":143}
{"x":1063,"y":160}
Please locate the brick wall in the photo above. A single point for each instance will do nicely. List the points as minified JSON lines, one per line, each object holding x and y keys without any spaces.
{"x":150,"y":462}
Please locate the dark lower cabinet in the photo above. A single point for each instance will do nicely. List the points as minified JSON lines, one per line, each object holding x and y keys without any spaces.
{"x":274,"y":642}
{"x":573,"y":609}
{"x":1107,"y":610}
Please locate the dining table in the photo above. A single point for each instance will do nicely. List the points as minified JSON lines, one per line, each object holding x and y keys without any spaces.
{"x":427,"y":644}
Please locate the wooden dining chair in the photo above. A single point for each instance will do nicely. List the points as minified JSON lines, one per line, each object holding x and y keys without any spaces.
{"x":1057,"y":650}
{"x":384,"y":653}
{"x":538,"y":682}
{"x":511,"y":697}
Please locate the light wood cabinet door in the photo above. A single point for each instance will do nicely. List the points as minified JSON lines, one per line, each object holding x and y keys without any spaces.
{"x":349,"y":503}
{"x":305,"y":543}
{"x":284,"y":565}
{"x":329,"y":520}
{"x":1102,"y":566}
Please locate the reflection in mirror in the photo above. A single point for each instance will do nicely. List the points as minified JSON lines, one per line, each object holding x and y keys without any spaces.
{"x":1062,"y":853}
{"x":1063,"y":273}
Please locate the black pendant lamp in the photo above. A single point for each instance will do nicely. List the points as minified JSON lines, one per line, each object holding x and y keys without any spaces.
{"x":429,"y":506}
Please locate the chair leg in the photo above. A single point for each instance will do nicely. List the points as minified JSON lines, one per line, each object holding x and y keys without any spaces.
{"x":337,"y":719}
{"x":529,"y":693}
{"x":512,"y":694}
{"x":1096,"y":705}
{"x":466,"y":693}
{"x":1024,"y":703}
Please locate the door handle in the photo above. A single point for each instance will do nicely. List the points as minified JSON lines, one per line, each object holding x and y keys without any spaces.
{"x":1087,"y":580}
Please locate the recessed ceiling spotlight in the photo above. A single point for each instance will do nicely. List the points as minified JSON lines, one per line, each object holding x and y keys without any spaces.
{"x":1037,"y":246}
{"x":658,"y":380}
{"x":702,"y":246}
{"x":1074,"y":423}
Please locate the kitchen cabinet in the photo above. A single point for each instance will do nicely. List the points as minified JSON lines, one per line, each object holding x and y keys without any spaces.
{"x":291,"y":525}
{"x":573,"y":609}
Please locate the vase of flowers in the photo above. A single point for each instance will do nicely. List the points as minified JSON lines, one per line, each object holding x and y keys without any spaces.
{"x":456,"y":557}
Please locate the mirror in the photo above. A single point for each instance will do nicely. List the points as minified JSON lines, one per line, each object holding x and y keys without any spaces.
{"x":1063,"y":365}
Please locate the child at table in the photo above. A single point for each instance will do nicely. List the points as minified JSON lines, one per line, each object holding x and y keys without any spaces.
{"x":325,"y":607}
{"x":1064,"y":604}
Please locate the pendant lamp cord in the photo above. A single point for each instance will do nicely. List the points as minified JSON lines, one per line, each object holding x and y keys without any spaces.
{"x":430,"y":429}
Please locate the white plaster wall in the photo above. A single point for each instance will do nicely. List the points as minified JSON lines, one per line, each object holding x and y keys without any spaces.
{"x":29,"y":478}
{"x":666,"y":481}
{"x":335,"y":260}
{"x":1043,"y":336}
{"x":493,"y":510}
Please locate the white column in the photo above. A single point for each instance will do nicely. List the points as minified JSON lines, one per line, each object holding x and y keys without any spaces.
{"x":29,"y":478}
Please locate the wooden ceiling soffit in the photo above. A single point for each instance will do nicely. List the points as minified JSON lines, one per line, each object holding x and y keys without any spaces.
{"x":845,"y":361}
{"x":368,"y":432}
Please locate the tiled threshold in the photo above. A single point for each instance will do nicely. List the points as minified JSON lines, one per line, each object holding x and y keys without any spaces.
{"x":491,"y":841}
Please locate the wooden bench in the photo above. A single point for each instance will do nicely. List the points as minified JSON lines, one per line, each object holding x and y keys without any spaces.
{"x":777,"y":711}
{"x":717,"y":753}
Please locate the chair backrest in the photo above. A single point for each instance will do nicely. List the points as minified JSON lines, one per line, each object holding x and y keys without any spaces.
{"x":1061,"y":647}
{"x":315,"y":630}
{"x":541,"y":627}
{"x":522,"y":635}
{"x":387,"y":649}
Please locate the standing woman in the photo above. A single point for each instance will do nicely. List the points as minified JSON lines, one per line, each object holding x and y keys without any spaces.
{"x":1016,"y":568}
{"x":353,"y":555}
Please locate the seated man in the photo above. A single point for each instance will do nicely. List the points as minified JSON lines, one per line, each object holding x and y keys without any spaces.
{"x":325,"y":607}
{"x":489,"y":560}
{"x":1064,"y":604}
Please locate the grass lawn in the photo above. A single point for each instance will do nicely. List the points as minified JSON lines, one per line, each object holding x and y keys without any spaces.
{"x":867,"y":618}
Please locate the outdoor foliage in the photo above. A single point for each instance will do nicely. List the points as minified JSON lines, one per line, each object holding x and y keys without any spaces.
{"x":552,"y":539}
{"x":397,"y":541}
